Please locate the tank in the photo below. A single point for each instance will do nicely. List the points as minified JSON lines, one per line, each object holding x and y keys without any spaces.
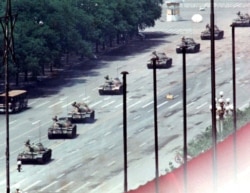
{"x":243,"y":20}
{"x":34,"y":153}
{"x":111,"y":86}
{"x":162,"y":61}
{"x":62,"y":128}
{"x":191,"y":46}
{"x":81,"y":113}
{"x":206,"y":34}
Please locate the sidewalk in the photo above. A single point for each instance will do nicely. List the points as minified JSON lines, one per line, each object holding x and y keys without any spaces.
{"x":200,"y":170}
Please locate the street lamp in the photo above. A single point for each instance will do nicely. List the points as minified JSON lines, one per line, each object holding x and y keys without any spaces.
{"x":124,"y":73}
{"x":223,"y":108}
{"x":8,"y":23}
{"x":183,"y":49}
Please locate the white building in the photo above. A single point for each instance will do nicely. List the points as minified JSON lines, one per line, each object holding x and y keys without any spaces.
{"x":173,"y":10}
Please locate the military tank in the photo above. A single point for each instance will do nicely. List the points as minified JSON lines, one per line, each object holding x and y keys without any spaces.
{"x":34,"y":153}
{"x":162,"y":61}
{"x":111,"y":86}
{"x":62,"y":128}
{"x":81,"y":112}
{"x":190,"y":44}
{"x":243,"y":20}
{"x":206,"y":34}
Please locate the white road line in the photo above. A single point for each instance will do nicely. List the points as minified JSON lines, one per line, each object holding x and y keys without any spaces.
{"x":94,"y":173}
{"x":13,"y":122}
{"x":118,"y":105}
{"x":60,"y":176}
{"x":59,"y":102}
{"x":201,"y":105}
{"x":35,"y":183}
{"x":77,"y":166}
{"x":115,"y":188}
{"x":111,"y":163}
{"x":67,"y":104}
{"x":107,"y":104}
{"x":36,"y":122}
{"x":98,"y":102}
{"x":42,"y":104}
{"x":147,"y":104}
{"x":158,"y":106}
{"x":174,"y":105}
{"x":65,"y":186}
{"x":137,"y":117}
{"x":134,"y":104}
{"x":81,"y":187}
{"x":190,"y":104}
{"x":51,"y":184}
{"x":107,"y":133}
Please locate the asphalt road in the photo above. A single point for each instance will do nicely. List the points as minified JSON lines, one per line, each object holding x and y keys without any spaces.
{"x":93,"y":162}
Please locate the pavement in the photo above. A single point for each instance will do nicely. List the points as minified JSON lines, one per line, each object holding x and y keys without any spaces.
{"x":200,"y":175}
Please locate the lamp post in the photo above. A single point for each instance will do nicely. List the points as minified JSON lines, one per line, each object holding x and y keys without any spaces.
{"x":213,"y":91}
{"x":155,"y":126}
{"x":124,"y":73}
{"x":7,"y":23}
{"x":184,"y":116}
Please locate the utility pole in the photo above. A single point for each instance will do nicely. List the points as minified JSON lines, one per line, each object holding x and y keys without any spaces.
{"x":7,"y":23}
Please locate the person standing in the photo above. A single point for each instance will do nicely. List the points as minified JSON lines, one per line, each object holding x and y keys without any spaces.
{"x":19,"y":165}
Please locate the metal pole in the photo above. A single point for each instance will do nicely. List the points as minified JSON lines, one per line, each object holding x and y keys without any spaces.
{"x":234,"y":103}
{"x":213,"y":95}
{"x":184,"y":118}
{"x":7,"y":23}
{"x":155,"y":128}
{"x":124,"y":73}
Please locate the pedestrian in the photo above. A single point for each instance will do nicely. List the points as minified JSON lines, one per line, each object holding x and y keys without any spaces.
{"x":18,"y":190}
{"x":19,"y":165}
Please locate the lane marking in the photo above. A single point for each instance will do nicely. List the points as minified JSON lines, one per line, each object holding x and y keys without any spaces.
{"x":107,"y":104}
{"x":119,"y":105}
{"x":158,"y":106}
{"x":96,"y":103}
{"x":147,"y":104}
{"x":51,"y":184}
{"x":175,"y":105}
{"x":42,"y":104}
{"x":60,"y":176}
{"x":65,"y":186}
{"x":59,"y":102}
{"x":134,"y":104}
{"x":81,"y":187}
{"x":35,"y":183}
{"x":201,"y":105}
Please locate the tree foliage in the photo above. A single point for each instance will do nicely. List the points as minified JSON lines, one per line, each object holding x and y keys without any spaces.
{"x":46,"y":30}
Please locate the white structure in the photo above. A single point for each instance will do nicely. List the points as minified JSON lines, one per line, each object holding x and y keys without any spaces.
{"x":173,"y":10}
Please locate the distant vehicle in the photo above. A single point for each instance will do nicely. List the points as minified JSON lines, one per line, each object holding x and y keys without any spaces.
{"x":190,"y":44}
{"x":111,"y":86}
{"x":81,"y":112}
{"x":206,"y":35}
{"x":243,"y":20}
{"x":18,"y":100}
{"x":34,"y":153}
{"x":62,"y":128}
{"x":162,"y":61}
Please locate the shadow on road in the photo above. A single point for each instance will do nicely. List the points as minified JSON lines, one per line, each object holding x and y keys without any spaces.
{"x":79,"y":68}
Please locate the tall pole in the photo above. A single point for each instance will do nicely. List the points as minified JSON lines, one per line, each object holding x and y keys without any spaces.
{"x":184,"y":117}
{"x":7,"y":23}
{"x":213,"y":95}
{"x":155,"y":128}
{"x":124,"y":73}
{"x":234,"y":103}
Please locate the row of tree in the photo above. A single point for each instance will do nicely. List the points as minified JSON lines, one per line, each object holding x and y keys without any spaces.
{"x":45,"y":30}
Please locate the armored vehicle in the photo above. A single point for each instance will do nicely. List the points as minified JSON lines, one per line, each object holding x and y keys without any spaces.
{"x":190,"y":45}
{"x":243,"y":20}
{"x":206,"y":35}
{"x":81,"y":112}
{"x":62,"y":128}
{"x":162,"y":61}
{"x":111,"y":86}
{"x":34,"y":153}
